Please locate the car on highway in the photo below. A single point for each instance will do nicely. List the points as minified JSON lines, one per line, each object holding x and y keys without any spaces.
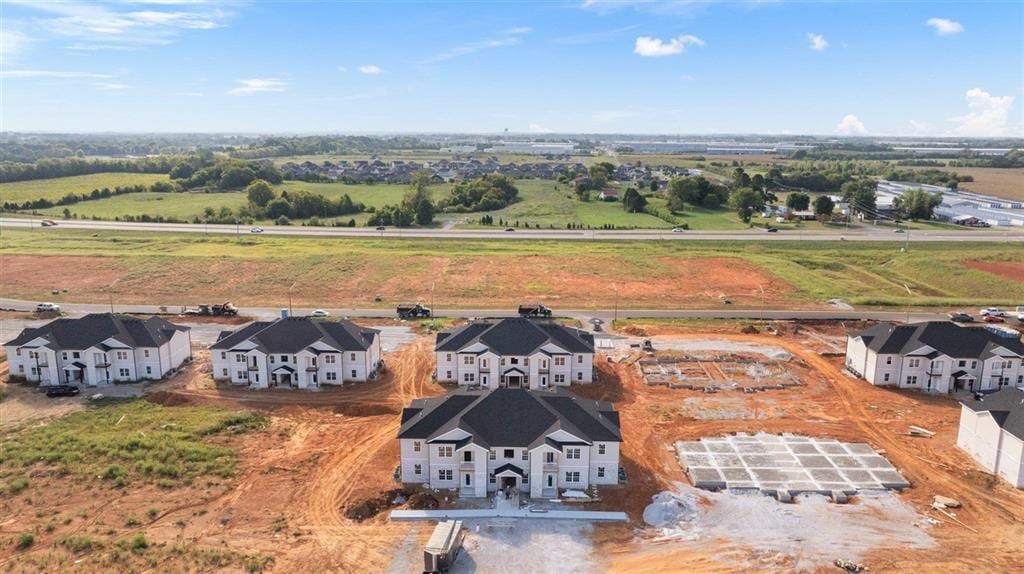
{"x":507,"y":229}
{"x":991,"y":312}
{"x":678,"y":229}
{"x":772,"y":230}
{"x":47,"y":308}
{"x":256,"y":229}
{"x":993,"y":319}
{"x":959,"y":317}
{"x":62,"y":391}
{"x":898,"y":230}
{"x":48,"y":223}
{"x":381,"y":228}
{"x":1020,"y":312}
{"x":319,"y":313}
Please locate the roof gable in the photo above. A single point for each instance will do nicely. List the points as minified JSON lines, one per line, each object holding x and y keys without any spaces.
{"x":515,"y":336}
{"x":95,"y":328}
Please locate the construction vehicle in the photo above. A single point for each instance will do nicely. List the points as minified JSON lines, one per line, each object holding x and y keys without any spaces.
{"x":413,"y":311}
{"x":443,"y":547}
{"x":534,"y":310}
{"x":215,"y":310}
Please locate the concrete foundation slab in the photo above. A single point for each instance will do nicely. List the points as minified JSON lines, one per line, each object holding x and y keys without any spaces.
{"x":787,"y":464}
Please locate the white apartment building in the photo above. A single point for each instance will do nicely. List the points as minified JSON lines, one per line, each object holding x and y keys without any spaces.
{"x":476,"y":442}
{"x":296,"y":352}
{"x":99,"y":349}
{"x":515,"y":353}
{"x":936,"y":356}
{"x":992,"y":432}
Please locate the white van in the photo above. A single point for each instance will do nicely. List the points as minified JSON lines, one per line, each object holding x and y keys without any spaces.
{"x":1020,"y":312}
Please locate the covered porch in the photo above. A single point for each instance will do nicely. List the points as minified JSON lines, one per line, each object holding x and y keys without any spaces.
{"x":283,"y":376}
{"x":514,"y":378}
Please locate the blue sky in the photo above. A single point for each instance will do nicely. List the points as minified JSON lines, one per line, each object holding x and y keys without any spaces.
{"x":885,"y":68}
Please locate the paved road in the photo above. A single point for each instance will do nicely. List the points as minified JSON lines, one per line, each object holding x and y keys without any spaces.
{"x":861,"y":234}
{"x":75,"y":309}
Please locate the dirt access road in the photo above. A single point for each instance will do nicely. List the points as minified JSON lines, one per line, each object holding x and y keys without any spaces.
{"x":830,"y":404}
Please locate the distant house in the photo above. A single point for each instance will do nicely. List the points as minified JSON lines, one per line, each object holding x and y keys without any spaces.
{"x":992,"y":432}
{"x":477,"y":442}
{"x":296,"y":352}
{"x":515,"y":353}
{"x":609,"y":195}
{"x":99,"y":349}
{"x":937,"y":356}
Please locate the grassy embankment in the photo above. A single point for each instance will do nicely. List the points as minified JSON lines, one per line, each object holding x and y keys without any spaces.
{"x":168,"y":268}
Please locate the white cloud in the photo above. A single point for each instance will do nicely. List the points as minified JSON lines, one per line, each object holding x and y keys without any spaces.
{"x":110,"y":86}
{"x":850,"y":126}
{"x":919,"y":128}
{"x":653,"y":47}
{"x":13,"y":42}
{"x":256,"y":85}
{"x":49,"y":74}
{"x":370,"y":69}
{"x":121,"y":24}
{"x":538,"y":129}
{"x":945,"y":27}
{"x":509,"y":37}
{"x":987,"y":115}
{"x":818,"y":42}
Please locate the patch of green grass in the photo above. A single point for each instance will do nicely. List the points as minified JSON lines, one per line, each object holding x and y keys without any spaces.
{"x":130,"y":441}
{"x":81,"y":543}
{"x":16,"y":485}
{"x":58,"y":187}
{"x":25,"y":541}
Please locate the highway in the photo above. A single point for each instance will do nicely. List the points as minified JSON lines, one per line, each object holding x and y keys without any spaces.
{"x":857,"y":234}
{"x":585,"y":315}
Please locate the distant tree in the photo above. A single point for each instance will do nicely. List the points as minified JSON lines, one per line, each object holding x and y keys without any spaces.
{"x":283,"y":220}
{"x":424,"y":212}
{"x":695,"y":191}
{"x":823,"y":206}
{"x":259,"y":193}
{"x":633,"y":201}
{"x":798,"y":201}
{"x":162,"y":187}
{"x":740,"y":178}
{"x":746,"y":201}
{"x":278,"y":207}
{"x":67,"y":213}
{"x":654,"y":185}
{"x":860,"y":194}
{"x":598,"y":177}
{"x":918,"y":204}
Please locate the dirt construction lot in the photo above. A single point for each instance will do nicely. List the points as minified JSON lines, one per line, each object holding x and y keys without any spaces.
{"x":322,"y":453}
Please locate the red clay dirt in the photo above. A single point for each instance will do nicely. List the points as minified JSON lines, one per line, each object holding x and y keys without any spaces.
{"x":1008,"y":270}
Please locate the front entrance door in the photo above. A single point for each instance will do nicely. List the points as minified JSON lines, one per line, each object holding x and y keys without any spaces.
{"x":514,"y":381}
{"x":551,"y":481}
{"x":508,"y":482}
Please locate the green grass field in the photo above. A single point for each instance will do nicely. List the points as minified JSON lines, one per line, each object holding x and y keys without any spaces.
{"x":477,"y":272}
{"x":54,"y":189}
{"x":129,"y":441}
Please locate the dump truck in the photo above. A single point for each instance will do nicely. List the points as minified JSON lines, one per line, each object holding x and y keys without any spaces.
{"x":534,"y":310}
{"x":443,"y":547}
{"x":413,"y":311}
{"x":216,"y":310}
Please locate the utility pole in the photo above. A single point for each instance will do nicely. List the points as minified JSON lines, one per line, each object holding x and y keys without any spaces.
{"x":616,"y":287}
{"x":111,"y":296}
{"x":911,"y":293}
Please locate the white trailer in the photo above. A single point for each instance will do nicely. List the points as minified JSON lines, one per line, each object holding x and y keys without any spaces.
{"x":443,"y":547}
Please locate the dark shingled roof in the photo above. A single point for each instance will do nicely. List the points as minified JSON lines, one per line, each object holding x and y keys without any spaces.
{"x":943,"y":336}
{"x":516,"y":337}
{"x":511,"y":417}
{"x":1006,"y":407}
{"x":91,"y":330}
{"x":293,"y":334}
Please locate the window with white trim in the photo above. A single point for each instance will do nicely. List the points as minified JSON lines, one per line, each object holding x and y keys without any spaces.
{"x":572,"y":476}
{"x":483,"y":363}
{"x":330,"y":359}
{"x":223,"y":355}
{"x":122,"y":355}
{"x":444,"y":474}
{"x":444,"y":451}
{"x":353,"y":373}
{"x":448,"y":357}
{"x":468,"y":359}
{"x":886,"y":378}
{"x":224,"y":372}
{"x":911,"y":379}
{"x":145,"y":353}
{"x":559,"y":361}
{"x":572,"y":454}
{"x":331,"y":376}
{"x":601,"y":448}
{"x":416,"y":446}
{"x":914,"y":363}
{"x":559,"y":378}
{"x":579,"y":359}
{"x":468,"y":377}
{"x":124,"y":372}
{"x":600,"y":472}
{"x":239,"y":358}
{"x":888,"y":360}
{"x":579,"y":375}
{"x":492,"y":455}
{"x":417,"y":469}
{"x":352,"y":356}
